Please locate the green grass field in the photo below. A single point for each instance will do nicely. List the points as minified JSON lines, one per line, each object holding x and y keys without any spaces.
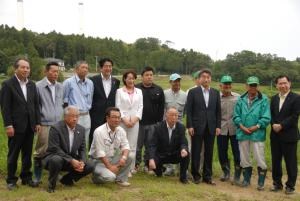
{"x":148,"y":187}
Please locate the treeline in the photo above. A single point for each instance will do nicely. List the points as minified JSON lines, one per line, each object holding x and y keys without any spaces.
{"x":144,"y":51}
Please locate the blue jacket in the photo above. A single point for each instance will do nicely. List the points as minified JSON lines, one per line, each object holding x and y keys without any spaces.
{"x":257,"y":114}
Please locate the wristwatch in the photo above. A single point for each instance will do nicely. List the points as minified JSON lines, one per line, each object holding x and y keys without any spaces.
{"x":124,"y":157}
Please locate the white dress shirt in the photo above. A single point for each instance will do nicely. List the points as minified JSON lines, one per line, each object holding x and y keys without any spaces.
{"x":205,"y":95}
{"x":23,"y":86}
{"x":71,"y":137}
{"x":106,"y":85}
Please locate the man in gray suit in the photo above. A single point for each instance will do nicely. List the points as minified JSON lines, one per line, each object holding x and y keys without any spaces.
{"x":66,"y":150}
{"x":203,"y":123}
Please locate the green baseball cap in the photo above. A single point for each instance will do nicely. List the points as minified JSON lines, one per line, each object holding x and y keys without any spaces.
{"x":196,"y":74}
{"x":252,"y":80}
{"x":226,"y":79}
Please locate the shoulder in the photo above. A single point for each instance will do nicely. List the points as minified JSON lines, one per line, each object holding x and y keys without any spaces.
{"x":235,"y":94}
{"x":157,"y":87}
{"x":139,"y":91}
{"x":180,"y":126}
{"x":115,"y":79}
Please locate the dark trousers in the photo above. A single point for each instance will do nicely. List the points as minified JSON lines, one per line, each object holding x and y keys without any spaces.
{"x":173,"y":159}
{"x":20,"y":142}
{"x":144,"y":136}
{"x":222,"y":141}
{"x":288,"y":151}
{"x":56,"y":163}
{"x":197,"y":140}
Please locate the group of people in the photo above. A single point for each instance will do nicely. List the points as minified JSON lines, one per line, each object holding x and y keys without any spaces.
{"x":91,"y":125}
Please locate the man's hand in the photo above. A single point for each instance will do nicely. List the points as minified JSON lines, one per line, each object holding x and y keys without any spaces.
{"x":122,"y":162}
{"x":183,"y":153}
{"x":10,"y":131}
{"x":191,"y":131}
{"x":76,"y":164}
{"x":152,"y":165}
{"x":114,"y":168}
{"x":246,"y":130}
{"x":127,"y":122}
{"x":81,"y":168}
{"x":277,"y":127}
{"x":38,"y":128}
{"x":218,"y":131}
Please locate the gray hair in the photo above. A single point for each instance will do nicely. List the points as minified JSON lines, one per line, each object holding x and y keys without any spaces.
{"x":70,"y":107}
{"x":171,"y":107}
{"x":78,"y":63}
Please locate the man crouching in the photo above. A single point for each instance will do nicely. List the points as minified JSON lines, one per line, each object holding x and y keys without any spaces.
{"x":169,"y":145}
{"x":109,"y":151}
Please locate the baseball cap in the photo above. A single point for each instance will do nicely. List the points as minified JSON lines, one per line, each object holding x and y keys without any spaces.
{"x":226,"y":79}
{"x":175,"y":76}
{"x":252,"y":80}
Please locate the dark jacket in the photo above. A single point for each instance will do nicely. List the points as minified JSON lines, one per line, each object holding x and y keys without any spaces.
{"x":160,"y":144}
{"x":198,"y":116}
{"x":100,"y":101}
{"x":16,"y":111}
{"x":59,"y":143}
{"x":287,"y":117}
{"x":153,"y":104}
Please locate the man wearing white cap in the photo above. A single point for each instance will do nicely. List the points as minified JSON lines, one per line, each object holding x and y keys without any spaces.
{"x":175,"y":97}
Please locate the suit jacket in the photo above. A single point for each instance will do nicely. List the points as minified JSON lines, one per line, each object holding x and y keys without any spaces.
{"x":16,"y":110}
{"x":59,"y":143}
{"x":128,"y":108}
{"x":100,"y":101}
{"x":161,"y":146}
{"x":198,"y":115}
{"x":288,"y":117}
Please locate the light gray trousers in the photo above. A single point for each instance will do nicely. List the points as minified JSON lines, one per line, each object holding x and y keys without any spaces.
{"x":258,"y":149}
{"x":102,"y":175}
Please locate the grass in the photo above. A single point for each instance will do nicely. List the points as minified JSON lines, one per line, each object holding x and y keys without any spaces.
{"x":147,"y":187}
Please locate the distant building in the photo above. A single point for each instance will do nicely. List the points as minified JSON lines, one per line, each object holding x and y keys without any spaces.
{"x":60,"y":62}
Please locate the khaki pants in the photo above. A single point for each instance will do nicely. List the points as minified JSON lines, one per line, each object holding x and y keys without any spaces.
{"x":42,"y":142}
{"x":258,"y":149}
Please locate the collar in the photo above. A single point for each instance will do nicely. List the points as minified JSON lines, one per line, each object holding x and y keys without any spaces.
{"x":203,"y":89}
{"x":284,"y":95}
{"x":170,"y":127}
{"x":20,"y":81}
{"x":226,"y":96}
{"x":50,"y":83}
{"x":79,"y":80}
{"x":70,"y":129}
{"x":125,"y":90}
{"x":109,"y":131}
{"x":103,"y":78}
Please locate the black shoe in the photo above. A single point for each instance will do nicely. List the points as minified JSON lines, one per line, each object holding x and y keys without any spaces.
{"x":196,"y":180}
{"x":184,"y":181}
{"x":50,"y":190}
{"x":210,"y":182}
{"x":66,"y":181}
{"x":30,"y":183}
{"x":276,"y":188}
{"x":289,"y":190}
{"x":11,"y":186}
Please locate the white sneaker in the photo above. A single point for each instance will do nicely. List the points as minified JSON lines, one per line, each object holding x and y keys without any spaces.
{"x":123,"y":183}
{"x":129,"y":175}
{"x":133,"y":171}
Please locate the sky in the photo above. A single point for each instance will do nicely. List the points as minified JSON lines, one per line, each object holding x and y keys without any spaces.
{"x":213,"y":27}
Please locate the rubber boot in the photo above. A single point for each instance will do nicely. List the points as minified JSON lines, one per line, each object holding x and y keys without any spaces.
{"x":261,"y":178}
{"x":237,"y":175}
{"x":226,"y":172}
{"x":247,"y":173}
{"x":37,"y":169}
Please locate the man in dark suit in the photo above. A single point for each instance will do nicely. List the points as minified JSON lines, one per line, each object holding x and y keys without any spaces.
{"x":66,"y":150}
{"x":285,"y":109}
{"x":21,"y":116}
{"x":203,"y":123}
{"x":105,"y":87}
{"x":169,"y":145}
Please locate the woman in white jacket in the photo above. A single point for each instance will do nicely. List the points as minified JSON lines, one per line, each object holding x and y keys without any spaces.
{"x":129,"y":100}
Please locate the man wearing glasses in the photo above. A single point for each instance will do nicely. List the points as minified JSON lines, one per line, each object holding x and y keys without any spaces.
{"x":252,"y":116}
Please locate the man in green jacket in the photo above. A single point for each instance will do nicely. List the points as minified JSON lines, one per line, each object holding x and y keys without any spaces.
{"x":252,"y":116}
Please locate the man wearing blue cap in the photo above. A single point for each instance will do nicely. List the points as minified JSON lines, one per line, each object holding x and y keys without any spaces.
{"x":174,"y":97}
{"x":252,"y":116}
{"x":228,"y":101}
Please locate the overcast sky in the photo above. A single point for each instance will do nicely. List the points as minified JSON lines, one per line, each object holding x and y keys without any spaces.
{"x":214,"y":27}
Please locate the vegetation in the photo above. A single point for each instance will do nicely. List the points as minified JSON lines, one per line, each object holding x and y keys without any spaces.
{"x":147,"y":187}
{"x":144,"y":51}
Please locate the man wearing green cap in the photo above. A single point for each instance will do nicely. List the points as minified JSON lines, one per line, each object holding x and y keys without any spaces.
{"x":252,"y":116}
{"x":228,"y":101}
